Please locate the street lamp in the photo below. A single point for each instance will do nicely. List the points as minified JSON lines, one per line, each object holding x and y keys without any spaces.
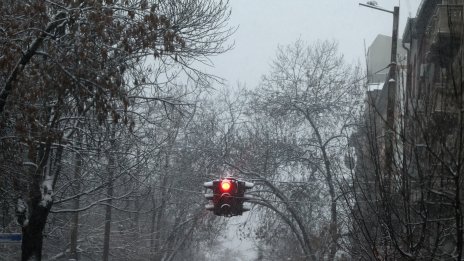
{"x":390,"y":122}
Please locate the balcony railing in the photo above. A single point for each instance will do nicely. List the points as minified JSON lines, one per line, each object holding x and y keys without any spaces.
{"x":444,"y":104}
{"x":443,"y":88}
{"x":446,"y":24}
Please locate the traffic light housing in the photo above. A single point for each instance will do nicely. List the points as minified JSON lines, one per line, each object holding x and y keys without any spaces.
{"x":242,"y":197}
{"x":228,"y":196}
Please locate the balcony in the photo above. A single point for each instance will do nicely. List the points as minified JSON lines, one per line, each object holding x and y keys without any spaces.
{"x":457,"y":65}
{"x":443,"y":88}
{"x":444,"y":104}
{"x":446,"y":26}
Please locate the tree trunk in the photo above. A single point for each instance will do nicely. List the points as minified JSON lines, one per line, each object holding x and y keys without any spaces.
{"x":110,"y":192}
{"x":152,"y":227}
{"x":73,"y":255}
{"x":33,"y":232}
{"x":160,"y":214}
{"x":32,"y":228}
{"x":333,"y":230}
{"x":136,"y":224}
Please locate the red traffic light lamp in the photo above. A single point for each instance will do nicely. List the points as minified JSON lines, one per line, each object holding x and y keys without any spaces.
{"x":226,"y":185}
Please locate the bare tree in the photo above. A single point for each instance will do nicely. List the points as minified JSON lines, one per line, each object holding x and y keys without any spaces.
{"x":313,"y":84}
{"x":60,"y":57}
{"x":295,"y":134}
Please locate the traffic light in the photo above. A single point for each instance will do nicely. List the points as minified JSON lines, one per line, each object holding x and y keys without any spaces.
{"x":228,"y":196}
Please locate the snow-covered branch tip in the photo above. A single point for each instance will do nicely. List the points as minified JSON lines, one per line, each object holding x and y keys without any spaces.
{"x":22,"y":212}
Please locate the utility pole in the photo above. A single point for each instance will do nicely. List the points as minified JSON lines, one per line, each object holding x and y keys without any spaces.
{"x":391,"y":100}
{"x":391,"y":95}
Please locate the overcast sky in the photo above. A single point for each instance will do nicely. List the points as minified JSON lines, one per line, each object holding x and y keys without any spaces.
{"x":264,"y":24}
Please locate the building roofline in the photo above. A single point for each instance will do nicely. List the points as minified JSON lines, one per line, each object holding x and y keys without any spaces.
{"x":408,"y":33}
{"x":424,"y":14}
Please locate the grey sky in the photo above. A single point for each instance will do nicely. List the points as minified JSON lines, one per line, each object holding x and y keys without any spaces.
{"x":264,"y":24}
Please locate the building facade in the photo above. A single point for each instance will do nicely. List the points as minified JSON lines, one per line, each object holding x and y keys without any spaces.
{"x":422,"y":217}
{"x":433,"y":124}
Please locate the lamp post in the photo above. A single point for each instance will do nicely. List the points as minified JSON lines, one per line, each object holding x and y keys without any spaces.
{"x":390,"y":122}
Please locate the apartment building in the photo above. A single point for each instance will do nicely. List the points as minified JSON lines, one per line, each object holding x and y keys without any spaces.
{"x":423,"y":216}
